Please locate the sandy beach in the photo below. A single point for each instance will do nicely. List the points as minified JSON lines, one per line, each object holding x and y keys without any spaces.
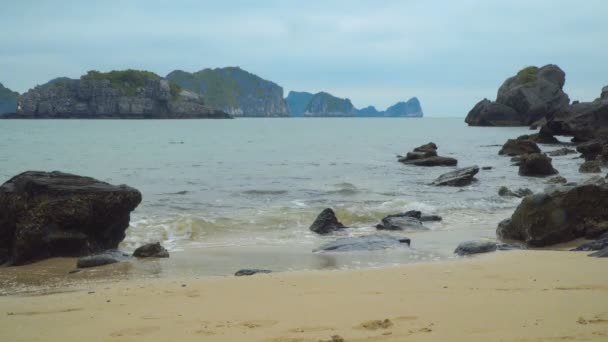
{"x":507,"y":296}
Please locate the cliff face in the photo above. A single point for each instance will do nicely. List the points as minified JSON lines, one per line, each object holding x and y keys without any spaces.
{"x":118,"y":94}
{"x":8,"y":100}
{"x":297,"y":101}
{"x":324,"y":104}
{"x":234,"y":91}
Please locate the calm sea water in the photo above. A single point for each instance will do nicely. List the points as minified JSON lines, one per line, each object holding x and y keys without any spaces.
{"x":227,"y":194}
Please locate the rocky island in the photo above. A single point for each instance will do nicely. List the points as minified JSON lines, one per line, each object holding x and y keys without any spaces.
{"x":324,"y":104}
{"x":234,"y":91}
{"x":128,"y":94}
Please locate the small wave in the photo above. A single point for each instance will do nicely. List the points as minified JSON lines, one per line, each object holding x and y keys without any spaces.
{"x":264,"y":192}
{"x":183,"y":192}
{"x":345,"y":189}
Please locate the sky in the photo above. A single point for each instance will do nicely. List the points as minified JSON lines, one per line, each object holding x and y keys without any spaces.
{"x":449,"y":54}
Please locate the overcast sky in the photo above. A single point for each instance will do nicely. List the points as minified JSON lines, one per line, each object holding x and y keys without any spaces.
{"x":450,"y":54}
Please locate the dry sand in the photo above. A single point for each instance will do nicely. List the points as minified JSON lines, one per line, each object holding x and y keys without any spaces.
{"x":508,"y":296}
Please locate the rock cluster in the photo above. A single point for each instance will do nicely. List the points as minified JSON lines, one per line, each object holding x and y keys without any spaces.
{"x":426,"y":155}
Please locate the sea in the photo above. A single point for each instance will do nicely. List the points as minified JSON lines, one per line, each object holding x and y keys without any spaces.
{"x":222,"y":195}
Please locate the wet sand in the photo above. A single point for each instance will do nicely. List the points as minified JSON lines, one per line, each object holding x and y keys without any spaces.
{"x":507,"y":296}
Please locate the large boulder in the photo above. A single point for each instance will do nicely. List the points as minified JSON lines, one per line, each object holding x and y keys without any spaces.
{"x":583,"y":121}
{"x":517,"y":147}
{"x":326,"y":222}
{"x":459,"y":177}
{"x":531,"y":95}
{"x":52,"y":214}
{"x":593,"y":149}
{"x":536,"y":165}
{"x":559,"y":215}
{"x":364,"y":243}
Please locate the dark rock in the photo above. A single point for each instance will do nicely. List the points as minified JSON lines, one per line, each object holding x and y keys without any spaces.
{"x":475,"y":247}
{"x":590,"y":167}
{"x":105,"y":258}
{"x":250,"y":272}
{"x":591,"y":150}
{"x":583,"y":121}
{"x":326,"y":222}
{"x":593,"y":245}
{"x":559,"y":215}
{"x":519,"y":193}
{"x":531,"y":95}
{"x":536,"y":165}
{"x":603,"y":253}
{"x":459,"y":177}
{"x":562,"y":152}
{"x":540,"y":138}
{"x":557,"y":180}
{"x":516,"y":147}
{"x":364,"y":243}
{"x":489,"y":113}
{"x":485,"y":168}
{"x":419,"y":155}
{"x":151,"y":250}
{"x":432,"y":161}
{"x":396,"y":222}
{"x":430,"y":147}
{"x":55,"y":214}
{"x":430,"y":218}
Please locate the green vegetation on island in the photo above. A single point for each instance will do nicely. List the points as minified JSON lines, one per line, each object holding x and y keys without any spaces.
{"x":527,"y":75}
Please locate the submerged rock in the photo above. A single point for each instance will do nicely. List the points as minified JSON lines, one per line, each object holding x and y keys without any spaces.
{"x":364,"y":243}
{"x":396,"y":222}
{"x":459,"y":177}
{"x":250,"y":272}
{"x":557,"y":180}
{"x":560,"y":215}
{"x":105,"y":258}
{"x":517,"y":147}
{"x":596,"y":245}
{"x":562,"y":152}
{"x":602,"y":253}
{"x":326,"y":222}
{"x":55,"y":214}
{"x":430,"y":218}
{"x":536,"y":165}
{"x":519,"y":193}
{"x":475,"y":247}
{"x":151,"y":250}
{"x":590,"y":167}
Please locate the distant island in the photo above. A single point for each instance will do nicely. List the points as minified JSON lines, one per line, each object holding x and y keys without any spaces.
{"x":303,"y":104}
{"x":208,"y":93}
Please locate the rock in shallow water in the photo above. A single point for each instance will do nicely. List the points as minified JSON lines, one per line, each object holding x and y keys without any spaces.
{"x":404,"y":221}
{"x":55,"y":214}
{"x":250,"y":272}
{"x":326,"y":222}
{"x":603,"y":253}
{"x":594,"y":166}
{"x":517,"y":147}
{"x":105,"y":258}
{"x":519,"y":193}
{"x":475,"y":247}
{"x":151,"y":250}
{"x":536,"y":165}
{"x":559,"y":215}
{"x":364,"y":243}
{"x":459,"y":177}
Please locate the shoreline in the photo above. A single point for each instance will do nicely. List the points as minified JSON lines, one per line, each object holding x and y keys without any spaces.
{"x":532,"y":295}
